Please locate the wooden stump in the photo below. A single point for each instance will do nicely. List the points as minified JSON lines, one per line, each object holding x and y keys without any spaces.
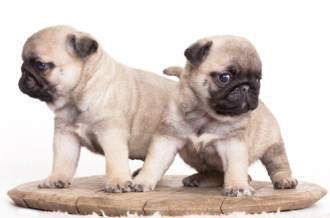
{"x":169,"y":198}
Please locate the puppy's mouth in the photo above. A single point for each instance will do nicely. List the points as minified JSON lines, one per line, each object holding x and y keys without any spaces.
{"x":238,"y":100}
{"x":36,"y":86}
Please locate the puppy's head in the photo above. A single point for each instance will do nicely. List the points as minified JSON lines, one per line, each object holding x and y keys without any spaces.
{"x":53,"y":60}
{"x":224,"y":72}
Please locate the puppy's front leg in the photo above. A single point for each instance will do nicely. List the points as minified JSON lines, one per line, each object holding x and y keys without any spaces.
{"x":161,"y":154}
{"x":236,"y":163}
{"x":66,"y":150}
{"x":277,"y":165}
{"x":114,"y":142}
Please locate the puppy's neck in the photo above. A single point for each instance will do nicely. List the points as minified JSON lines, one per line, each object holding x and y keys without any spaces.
{"x":97,"y":74}
{"x":188,"y":100}
{"x":92,"y":76}
{"x":59,"y":103}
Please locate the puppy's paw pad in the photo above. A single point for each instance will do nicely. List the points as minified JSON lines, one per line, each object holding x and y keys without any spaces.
{"x":54,"y":184}
{"x":191,"y":181}
{"x":285,"y":183}
{"x":119,"y":188}
{"x":238,"y":191}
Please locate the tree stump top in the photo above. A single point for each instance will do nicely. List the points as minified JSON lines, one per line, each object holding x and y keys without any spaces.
{"x":85,"y":196}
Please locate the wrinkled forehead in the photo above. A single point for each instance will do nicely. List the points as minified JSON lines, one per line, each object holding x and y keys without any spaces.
{"x":238,"y":55}
{"x":47,"y":45}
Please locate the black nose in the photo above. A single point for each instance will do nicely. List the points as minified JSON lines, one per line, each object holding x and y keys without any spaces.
{"x":245,"y":88}
{"x":25,"y":84}
{"x":29,"y":82}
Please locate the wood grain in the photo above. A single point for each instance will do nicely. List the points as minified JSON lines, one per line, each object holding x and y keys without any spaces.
{"x":85,"y":196}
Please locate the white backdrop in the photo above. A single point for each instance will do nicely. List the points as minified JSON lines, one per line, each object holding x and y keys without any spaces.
{"x":292,"y":38}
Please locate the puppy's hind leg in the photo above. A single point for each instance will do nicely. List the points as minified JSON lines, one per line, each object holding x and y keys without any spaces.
{"x":204,"y":179}
{"x":277,"y":165}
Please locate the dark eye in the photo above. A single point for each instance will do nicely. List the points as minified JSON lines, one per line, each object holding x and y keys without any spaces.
{"x":39,"y":66}
{"x":224,"y":77}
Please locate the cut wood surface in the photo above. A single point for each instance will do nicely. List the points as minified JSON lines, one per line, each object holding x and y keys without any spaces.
{"x":85,"y":196}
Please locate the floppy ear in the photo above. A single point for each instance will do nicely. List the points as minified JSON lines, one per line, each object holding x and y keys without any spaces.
{"x":197,"y":52}
{"x":173,"y":71}
{"x":83,"y":46}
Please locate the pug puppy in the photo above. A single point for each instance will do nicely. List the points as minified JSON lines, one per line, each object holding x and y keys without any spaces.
{"x":101,"y":104}
{"x":219,"y":118}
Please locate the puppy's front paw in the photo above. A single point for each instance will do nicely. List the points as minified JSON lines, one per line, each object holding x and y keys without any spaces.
{"x":285,"y":183}
{"x":142,"y":185}
{"x":118,"y":187}
{"x":237,"y":191}
{"x":55,"y":182}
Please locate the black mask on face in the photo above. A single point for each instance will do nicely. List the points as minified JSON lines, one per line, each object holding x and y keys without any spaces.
{"x":34,"y":84}
{"x":237,"y":94}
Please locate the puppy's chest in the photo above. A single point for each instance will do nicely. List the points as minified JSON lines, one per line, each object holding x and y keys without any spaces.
{"x":222,"y":131}
{"x":87,"y":138}
{"x":203,"y":144}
